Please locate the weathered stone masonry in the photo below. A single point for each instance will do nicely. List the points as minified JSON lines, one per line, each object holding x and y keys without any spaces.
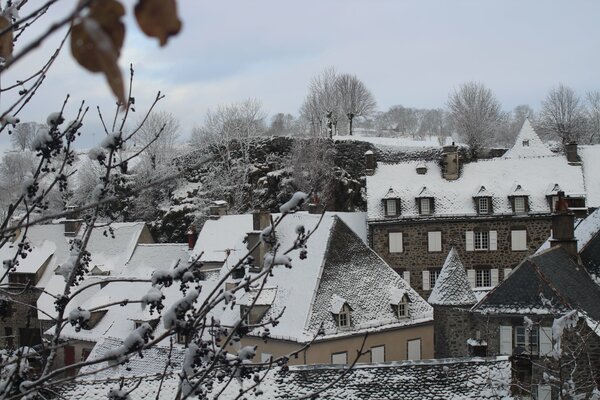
{"x":415,"y":256}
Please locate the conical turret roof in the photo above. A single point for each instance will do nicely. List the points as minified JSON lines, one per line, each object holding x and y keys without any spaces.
{"x":528,"y":144}
{"x":452,"y":286}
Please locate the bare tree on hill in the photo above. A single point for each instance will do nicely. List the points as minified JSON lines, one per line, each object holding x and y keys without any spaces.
{"x":476,"y":115}
{"x":562,"y":114}
{"x":356,"y":99}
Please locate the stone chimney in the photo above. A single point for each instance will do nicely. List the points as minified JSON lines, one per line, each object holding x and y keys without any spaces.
{"x":192,"y":236}
{"x":370,"y":163}
{"x":450,"y":162}
{"x":571,"y":150}
{"x":563,"y":227}
{"x":260,"y":220}
{"x":72,"y":222}
{"x":218,"y":208}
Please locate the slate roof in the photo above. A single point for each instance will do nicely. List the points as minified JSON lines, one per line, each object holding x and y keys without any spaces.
{"x":448,"y":379}
{"x":452,"y":287}
{"x":546,"y":283}
{"x":338,"y":263}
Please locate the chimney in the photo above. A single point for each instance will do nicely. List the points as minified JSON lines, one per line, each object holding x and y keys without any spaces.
{"x":450,"y":162}
{"x":563,"y":227}
{"x":218,"y":208}
{"x":192,"y":236}
{"x":72,"y":222}
{"x":370,"y":163}
{"x":260,"y":220}
{"x":571,"y":150}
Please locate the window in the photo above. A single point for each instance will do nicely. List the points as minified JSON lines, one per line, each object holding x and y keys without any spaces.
{"x":395,"y":239}
{"x":343,"y":318}
{"x":401,"y":309}
{"x":434,"y":241}
{"x":519,"y":204}
{"x":378,"y":354}
{"x":483,"y":278}
{"x":528,"y":339}
{"x":433,"y":275}
{"x":425,"y":206}
{"x":525,"y":143}
{"x":391,"y":207}
{"x":9,"y":339}
{"x":483,"y":205}
{"x":482,"y":240}
{"x":518,"y":240}
{"x":339,"y":358}
{"x":180,"y":338}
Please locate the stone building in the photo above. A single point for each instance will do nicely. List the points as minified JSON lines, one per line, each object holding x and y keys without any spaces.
{"x":545,"y":315}
{"x":493,"y":212}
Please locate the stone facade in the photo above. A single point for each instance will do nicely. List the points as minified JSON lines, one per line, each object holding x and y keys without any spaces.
{"x":416,"y":257}
{"x":452,"y":328}
{"x":20,"y":325}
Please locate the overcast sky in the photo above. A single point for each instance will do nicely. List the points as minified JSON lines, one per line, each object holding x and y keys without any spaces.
{"x":410,"y":53}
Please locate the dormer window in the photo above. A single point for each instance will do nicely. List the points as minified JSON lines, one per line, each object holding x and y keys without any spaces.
{"x":343,"y":318}
{"x":341,"y":311}
{"x":391,"y":203}
{"x":519,"y":204}
{"x":399,"y":302}
{"x":425,"y":205}
{"x":392,"y":207}
{"x":483,"y":205}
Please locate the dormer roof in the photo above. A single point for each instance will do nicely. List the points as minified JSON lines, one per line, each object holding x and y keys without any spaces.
{"x":482,"y":191}
{"x":425,"y":192}
{"x":528,"y":144}
{"x":452,"y":286}
{"x":518,"y":190}
{"x":391,"y":194}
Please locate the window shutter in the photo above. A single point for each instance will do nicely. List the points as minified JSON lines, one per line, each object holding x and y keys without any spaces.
{"x":518,"y":240}
{"x":426,"y":280}
{"x":395,"y":239}
{"x":493,"y":240}
{"x":469,"y":240}
{"x":434,"y":241}
{"x":398,"y":207}
{"x":545,"y":340}
{"x":406,"y":276}
{"x":471,"y":277}
{"x":494,"y":276}
{"x":544,"y":392}
{"x":507,"y":272}
{"x":506,"y":339}
{"x":432,"y":205}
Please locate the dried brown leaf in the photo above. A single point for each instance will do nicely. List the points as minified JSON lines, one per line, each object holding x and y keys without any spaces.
{"x":96,"y":42}
{"x":6,"y":40}
{"x":158,"y":18}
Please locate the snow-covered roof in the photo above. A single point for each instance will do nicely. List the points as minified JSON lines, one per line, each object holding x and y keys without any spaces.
{"x":500,"y":176}
{"x":338,"y":263}
{"x":34,"y":260}
{"x":590,"y":157}
{"x":156,"y":256}
{"x":527,"y":144}
{"x":466,"y":379}
{"x":452,"y":286}
{"x":337,"y":304}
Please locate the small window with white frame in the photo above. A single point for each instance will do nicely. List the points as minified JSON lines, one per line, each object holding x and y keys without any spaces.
{"x":483,"y":278}
{"x":344,"y":317}
{"x":481,"y":240}
{"x":401,"y":309}
{"x":392,"y":207}
{"x":520,"y":204}
{"x":425,"y":203}
{"x":433,"y":276}
{"x":527,"y":338}
{"x":483,"y":205}
{"x":339,"y":358}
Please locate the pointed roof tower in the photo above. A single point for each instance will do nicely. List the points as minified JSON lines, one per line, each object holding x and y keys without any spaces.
{"x":452,"y":286}
{"x":528,"y":144}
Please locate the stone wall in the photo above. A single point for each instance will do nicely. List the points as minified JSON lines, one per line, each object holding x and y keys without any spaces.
{"x":415,"y":256}
{"x":452,"y":327}
{"x":19,"y":325}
